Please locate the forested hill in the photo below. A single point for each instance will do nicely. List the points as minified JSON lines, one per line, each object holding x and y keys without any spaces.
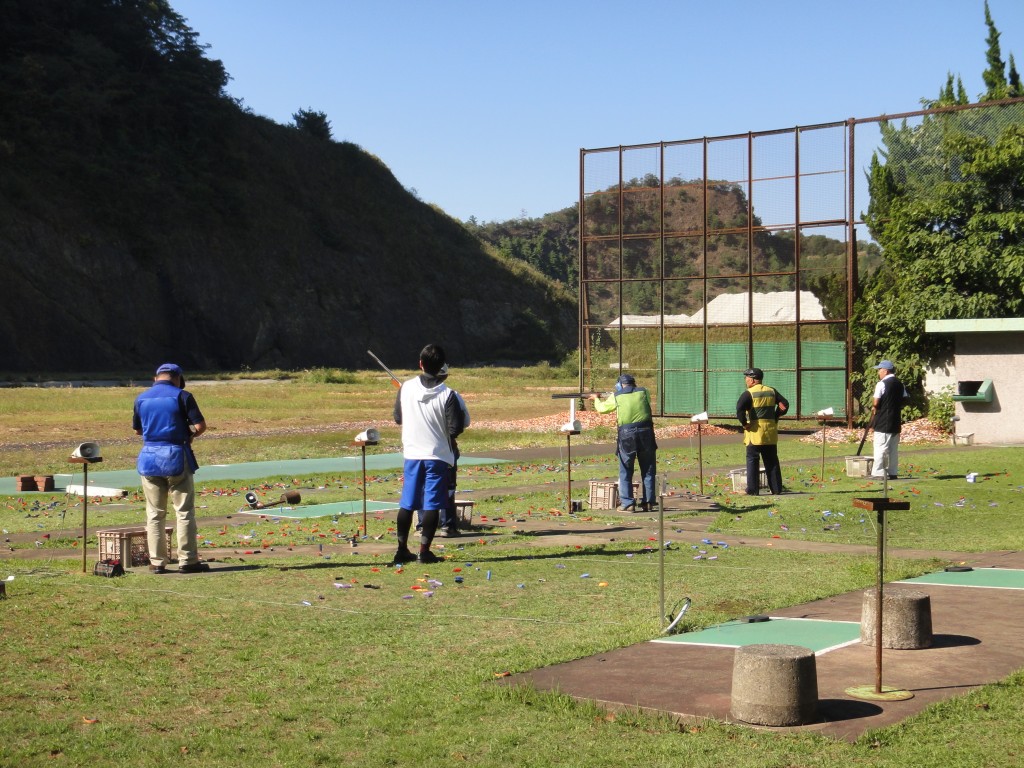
{"x":146,"y":216}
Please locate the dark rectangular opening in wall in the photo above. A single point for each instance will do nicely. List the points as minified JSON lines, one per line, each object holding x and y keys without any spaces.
{"x":968,"y":388}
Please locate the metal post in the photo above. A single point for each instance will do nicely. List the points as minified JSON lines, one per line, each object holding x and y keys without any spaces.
{"x":700,"y":459}
{"x":366,"y":532}
{"x":661,"y":550}
{"x":877,"y":692}
{"x":568,"y":472}
{"x":85,"y":516}
{"x":824,"y":429}
{"x":878,"y":594}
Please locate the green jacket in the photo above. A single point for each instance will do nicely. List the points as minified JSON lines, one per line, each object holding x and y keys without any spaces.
{"x":630,"y":407}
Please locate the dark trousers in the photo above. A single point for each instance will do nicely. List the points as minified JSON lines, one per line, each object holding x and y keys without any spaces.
{"x":636,"y":445}
{"x":449,"y":517}
{"x":769,"y":454}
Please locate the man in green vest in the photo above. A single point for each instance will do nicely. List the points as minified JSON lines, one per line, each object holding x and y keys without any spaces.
{"x":758,"y":410}
{"x":635,"y":442}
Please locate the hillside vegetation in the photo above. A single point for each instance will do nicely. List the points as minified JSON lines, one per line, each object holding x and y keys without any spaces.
{"x":146,"y":215}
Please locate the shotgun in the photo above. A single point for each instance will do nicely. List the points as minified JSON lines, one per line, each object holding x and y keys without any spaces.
{"x":865,"y":435}
{"x":394,"y":379}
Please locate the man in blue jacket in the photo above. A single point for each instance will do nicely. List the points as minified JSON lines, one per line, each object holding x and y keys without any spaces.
{"x":168,"y":418}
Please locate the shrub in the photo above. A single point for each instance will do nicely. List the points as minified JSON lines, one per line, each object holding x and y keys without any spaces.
{"x":941,"y":409}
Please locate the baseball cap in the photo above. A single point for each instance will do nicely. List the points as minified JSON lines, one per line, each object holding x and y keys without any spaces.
{"x":754,"y":373}
{"x":885,"y":365}
{"x":169,"y":368}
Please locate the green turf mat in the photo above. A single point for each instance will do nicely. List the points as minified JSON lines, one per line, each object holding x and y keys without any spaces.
{"x":129,"y":478}
{"x":991,"y":578}
{"x":818,"y":635}
{"x":322,"y":510}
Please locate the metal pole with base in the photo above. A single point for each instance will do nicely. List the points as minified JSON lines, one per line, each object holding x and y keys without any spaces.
{"x":700,"y":460}
{"x":363,"y":450}
{"x":363,"y":439}
{"x":878,"y":692}
{"x":698,"y":419}
{"x":661,"y":545}
{"x":823,"y":416}
{"x":85,"y":462}
{"x":570,"y":428}
{"x":568,"y":469}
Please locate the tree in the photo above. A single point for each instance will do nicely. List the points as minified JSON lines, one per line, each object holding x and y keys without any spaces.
{"x":947,"y":208}
{"x":312,"y":123}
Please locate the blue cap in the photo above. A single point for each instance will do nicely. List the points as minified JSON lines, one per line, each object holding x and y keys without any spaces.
{"x":169,"y":368}
{"x":886,"y":366}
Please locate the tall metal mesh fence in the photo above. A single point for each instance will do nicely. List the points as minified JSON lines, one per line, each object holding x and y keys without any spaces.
{"x":701,"y":258}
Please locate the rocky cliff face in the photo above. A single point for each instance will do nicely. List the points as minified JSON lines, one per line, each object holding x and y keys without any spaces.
{"x":274,"y":291}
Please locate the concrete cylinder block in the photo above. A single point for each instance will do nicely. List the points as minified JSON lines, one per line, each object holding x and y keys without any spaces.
{"x":774,"y":685}
{"x":906,"y":618}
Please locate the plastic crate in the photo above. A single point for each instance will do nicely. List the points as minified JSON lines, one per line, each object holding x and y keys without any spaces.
{"x":859,"y":466}
{"x":112,"y":543}
{"x":464,"y":514}
{"x":739,"y":479}
{"x":604,"y":495}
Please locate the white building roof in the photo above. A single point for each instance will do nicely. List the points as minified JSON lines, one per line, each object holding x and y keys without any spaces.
{"x":733,"y":308}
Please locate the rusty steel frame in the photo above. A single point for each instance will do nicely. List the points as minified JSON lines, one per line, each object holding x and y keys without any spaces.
{"x":849,"y":223}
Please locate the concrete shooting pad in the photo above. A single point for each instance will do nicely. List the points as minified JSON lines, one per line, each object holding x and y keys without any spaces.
{"x":129,"y":478}
{"x":818,"y":635}
{"x":977,"y":641}
{"x":985,"y":578}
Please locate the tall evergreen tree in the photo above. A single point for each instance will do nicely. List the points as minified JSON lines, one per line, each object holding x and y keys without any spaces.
{"x":947,"y":207}
{"x":995,"y":75}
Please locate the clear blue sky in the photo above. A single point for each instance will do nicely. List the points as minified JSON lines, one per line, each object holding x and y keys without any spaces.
{"x":482,"y":106}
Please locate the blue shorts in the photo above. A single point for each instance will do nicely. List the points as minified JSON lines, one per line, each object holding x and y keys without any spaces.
{"x":425,"y":484}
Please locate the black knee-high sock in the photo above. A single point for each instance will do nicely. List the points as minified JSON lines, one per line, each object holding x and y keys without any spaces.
{"x":404,"y":526}
{"x":430,"y":517}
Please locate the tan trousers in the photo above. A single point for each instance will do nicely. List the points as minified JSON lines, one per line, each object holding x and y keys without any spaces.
{"x":180,"y":490}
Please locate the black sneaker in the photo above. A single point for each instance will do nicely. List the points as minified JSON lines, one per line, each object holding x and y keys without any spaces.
{"x":157,"y":569}
{"x":428,"y":557}
{"x":403,"y":556}
{"x":194,"y":568}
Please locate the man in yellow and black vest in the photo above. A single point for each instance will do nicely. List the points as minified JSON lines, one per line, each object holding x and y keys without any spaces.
{"x":635,"y":443}
{"x":758,"y":410}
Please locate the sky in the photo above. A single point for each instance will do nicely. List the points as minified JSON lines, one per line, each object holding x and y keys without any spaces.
{"x":481,"y":107}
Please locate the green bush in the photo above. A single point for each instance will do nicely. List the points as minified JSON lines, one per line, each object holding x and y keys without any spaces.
{"x":941,"y":409}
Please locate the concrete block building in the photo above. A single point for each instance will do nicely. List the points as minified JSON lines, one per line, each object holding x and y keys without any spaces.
{"x":989,"y":375}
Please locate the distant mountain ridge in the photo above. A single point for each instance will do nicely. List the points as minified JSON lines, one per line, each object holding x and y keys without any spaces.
{"x":146,"y":216}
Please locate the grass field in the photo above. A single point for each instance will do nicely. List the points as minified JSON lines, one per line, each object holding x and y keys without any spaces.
{"x":303,"y":660}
